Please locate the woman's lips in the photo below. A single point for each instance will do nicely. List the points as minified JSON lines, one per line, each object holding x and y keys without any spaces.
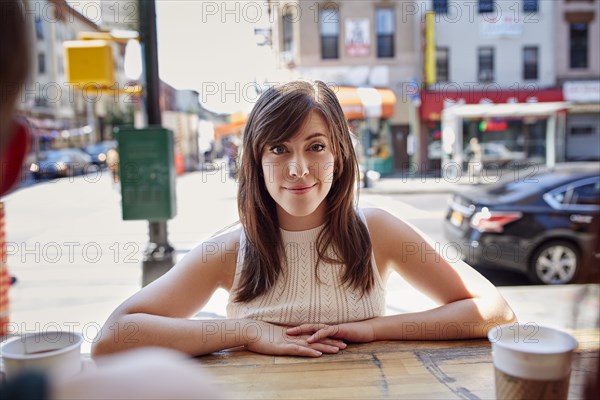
{"x":300,"y":189}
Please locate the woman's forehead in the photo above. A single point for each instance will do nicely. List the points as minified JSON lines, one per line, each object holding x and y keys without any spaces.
{"x":313,"y":124}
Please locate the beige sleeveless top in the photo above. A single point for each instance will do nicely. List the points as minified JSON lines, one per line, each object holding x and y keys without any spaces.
{"x":298,"y":297}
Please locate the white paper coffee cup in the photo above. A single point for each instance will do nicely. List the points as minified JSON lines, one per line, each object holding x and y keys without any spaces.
{"x":57,"y":354}
{"x":531,"y":361}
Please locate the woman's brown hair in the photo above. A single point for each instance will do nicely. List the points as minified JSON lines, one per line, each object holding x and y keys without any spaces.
{"x":277,"y":116}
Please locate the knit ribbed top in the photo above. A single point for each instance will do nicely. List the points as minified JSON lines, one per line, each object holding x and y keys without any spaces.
{"x":299,"y":297}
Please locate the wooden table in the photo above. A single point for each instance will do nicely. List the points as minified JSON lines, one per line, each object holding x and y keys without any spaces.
{"x":380,"y":370}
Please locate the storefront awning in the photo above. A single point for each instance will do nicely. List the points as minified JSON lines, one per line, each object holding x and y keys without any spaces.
{"x":360,"y":102}
{"x":233,"y":128}
{"x":515,"y":110}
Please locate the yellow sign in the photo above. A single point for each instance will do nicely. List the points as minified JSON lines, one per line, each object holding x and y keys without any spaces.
{"x":430,"y":67}
{"x":89,"y":62}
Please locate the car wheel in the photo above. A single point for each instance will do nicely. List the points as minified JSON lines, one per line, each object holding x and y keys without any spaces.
{"x":554,"y":263}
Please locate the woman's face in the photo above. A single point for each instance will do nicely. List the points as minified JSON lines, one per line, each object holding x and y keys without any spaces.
{"x":299,"y":174}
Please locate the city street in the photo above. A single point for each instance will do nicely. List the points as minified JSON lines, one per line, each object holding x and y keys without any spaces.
{"x":76,"y":260}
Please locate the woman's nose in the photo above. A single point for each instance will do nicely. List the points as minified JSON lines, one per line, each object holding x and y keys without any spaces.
{"x":298,"y":168}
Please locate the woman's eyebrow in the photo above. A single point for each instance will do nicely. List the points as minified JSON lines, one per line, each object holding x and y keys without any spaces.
{"x":315,"y":135}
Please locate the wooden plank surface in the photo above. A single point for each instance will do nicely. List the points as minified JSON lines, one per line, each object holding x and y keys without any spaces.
{"x":380,"y":370}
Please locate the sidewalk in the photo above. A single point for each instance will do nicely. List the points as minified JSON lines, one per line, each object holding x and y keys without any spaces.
{"x":402,"y":184}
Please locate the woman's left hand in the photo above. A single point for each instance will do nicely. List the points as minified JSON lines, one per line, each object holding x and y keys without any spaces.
{"x":358,"y":332}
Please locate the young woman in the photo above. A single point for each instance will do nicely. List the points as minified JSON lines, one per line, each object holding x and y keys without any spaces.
{"x":306,"y":270}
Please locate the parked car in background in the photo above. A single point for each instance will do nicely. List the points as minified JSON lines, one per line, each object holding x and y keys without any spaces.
{"x":99,"y":151}
{"x":545,"y":224}
{"x":60,"y":163}
{"x":495,"y":155}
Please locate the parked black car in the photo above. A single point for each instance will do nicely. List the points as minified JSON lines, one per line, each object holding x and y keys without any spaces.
{"x":99,"y":151}
{"x":545,"y":224}
{"x":60,"y":163}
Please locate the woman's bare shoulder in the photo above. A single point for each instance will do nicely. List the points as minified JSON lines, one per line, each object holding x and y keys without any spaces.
{"x":380,"y":220}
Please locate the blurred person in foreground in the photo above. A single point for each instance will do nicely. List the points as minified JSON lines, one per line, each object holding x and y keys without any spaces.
{"x":148,"y":373}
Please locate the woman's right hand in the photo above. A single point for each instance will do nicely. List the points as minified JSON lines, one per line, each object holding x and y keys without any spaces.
{"x":265,"y":338}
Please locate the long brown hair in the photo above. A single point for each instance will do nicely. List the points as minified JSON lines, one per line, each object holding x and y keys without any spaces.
{"x":277,"y":116}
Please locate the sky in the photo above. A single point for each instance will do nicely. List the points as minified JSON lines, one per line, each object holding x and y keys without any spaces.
{"x":209,"y":46}
{"x":203,"y":45}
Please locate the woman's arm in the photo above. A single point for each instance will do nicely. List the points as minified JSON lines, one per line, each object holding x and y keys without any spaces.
{"x":158,"y":315}
{"x":469,"y":305}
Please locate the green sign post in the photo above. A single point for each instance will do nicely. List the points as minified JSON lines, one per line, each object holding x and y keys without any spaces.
{"x":147,"y":173}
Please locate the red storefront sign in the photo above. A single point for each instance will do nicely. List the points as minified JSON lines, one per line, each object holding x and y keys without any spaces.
{"x":432,"y":102}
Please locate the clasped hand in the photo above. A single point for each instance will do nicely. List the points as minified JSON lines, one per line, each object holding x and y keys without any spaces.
{"x":309,"y":340}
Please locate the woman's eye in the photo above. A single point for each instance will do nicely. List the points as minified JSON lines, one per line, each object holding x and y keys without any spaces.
{"x":278,"y":149}
{"x":317,"y":147}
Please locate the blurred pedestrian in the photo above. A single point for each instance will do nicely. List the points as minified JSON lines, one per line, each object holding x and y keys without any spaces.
{"x":112,"y":161}
{"x":231,"y":156}
{"x":475,"y":166}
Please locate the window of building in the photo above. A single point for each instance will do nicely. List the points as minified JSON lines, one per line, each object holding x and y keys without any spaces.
{"x":486,"y":64}
{"x":530,"y":63}
{"x":39,"y":28}
{"x":41,"y":63}
{"x":582,"y":131}
{"x":385,"y":32}
{"x":530,"y":5}
{"x":486,"y":6}
{"x":440,"y":6}
{"x":329,"y":23}
{"x":578,"y":45}
{"x":441,"y":64}
{"x":288,"y":33}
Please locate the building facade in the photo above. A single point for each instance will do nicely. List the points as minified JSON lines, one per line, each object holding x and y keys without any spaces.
{"x":578,"y":72}
{"x":367,"y":50}
{"x":494,"y":75}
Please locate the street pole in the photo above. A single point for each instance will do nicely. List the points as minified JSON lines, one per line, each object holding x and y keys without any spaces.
{"x":159,"y":254}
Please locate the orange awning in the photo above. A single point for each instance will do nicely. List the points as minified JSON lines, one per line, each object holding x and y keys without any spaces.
{"x":233,"y":128}
{"x":354,"y":105}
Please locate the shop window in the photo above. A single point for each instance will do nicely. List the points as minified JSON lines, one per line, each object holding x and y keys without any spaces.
{"x":329,"y":24}
{"x":39,"y":28}
{"x":486,"y":6}
{"x":578,"y":45}
{"x":441,"y":63}
{"x":41,"y":63}
{"x":582,"y":131}
{"x":385,"y":32}
{"x":288,"y":33}
{"x":440,"y":6}
{"x":287,"y":39}
{"x":486,"y":64}
{"x":530,"y":63}
{"x":530,"y":6}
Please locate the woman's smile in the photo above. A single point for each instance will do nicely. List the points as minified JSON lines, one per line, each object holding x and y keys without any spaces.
{"x":301,"y":189}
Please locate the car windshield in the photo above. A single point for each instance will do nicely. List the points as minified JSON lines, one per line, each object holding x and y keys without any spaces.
{"x":56,"y":157}
{"x":98,"y":148}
